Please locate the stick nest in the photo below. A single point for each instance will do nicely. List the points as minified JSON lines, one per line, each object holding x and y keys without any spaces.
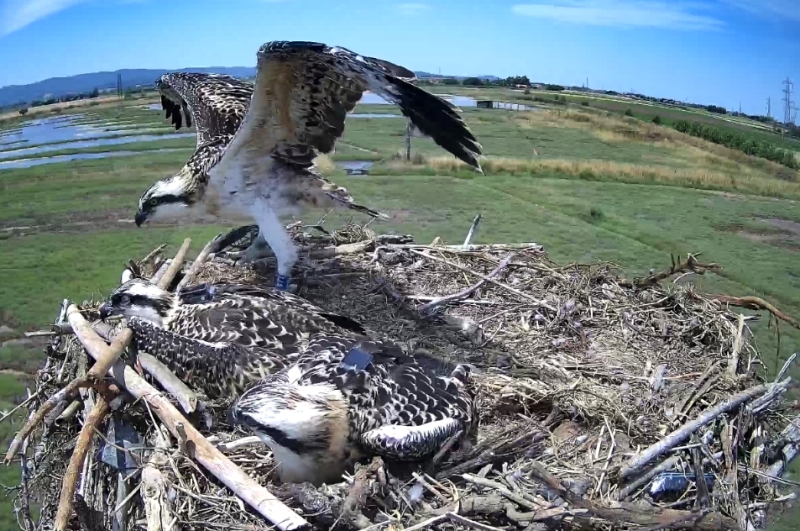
{"x":576,"y":371}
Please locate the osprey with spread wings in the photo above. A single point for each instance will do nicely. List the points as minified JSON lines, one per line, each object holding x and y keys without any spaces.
{"x":256,"y":143}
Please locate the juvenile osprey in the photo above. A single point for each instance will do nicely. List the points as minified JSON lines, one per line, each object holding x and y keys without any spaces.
{"x":276,"y":324}
{"x":256,"y":144}
{"x":348,"y":398}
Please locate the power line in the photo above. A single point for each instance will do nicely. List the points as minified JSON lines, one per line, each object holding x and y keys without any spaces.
{"x":788,"y":104}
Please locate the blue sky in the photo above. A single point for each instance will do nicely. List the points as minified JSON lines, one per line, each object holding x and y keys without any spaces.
{"x":709,"y":51}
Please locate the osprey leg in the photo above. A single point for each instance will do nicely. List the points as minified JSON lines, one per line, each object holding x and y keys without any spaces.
{"x":276,"y":236}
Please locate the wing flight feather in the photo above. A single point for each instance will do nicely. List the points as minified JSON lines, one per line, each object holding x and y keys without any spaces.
{"x":214,"y":103}
{"x":304,"y":90}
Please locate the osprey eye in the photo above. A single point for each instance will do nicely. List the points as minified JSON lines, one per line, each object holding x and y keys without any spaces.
{"x":154,"y":201}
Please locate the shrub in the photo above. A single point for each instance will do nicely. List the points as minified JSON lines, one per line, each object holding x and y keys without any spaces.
{"x":628,"y":112}
{"x":23,"y":111}
{"x":585,"y":103}
{"x":739,"y":141}
{"x":657,"y":119}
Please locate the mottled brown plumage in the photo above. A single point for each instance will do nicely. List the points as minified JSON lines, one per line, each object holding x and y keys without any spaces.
{"x":225,"y":318}
{"x":300,"y":100}
{"x":394,"y":406}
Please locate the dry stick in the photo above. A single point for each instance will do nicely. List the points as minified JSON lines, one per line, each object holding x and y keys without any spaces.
{"x":755,"y":303}
{"x":196,"y":265}
{"x":467,"y":270}
{"x":679,"y":435}
{"x":171,"y":383}
{"x":656,"y":517}
{"x":95,"y":378}
{"x":175,"y":266}
{"x":667,"y":464}
{"x":691,"y":264}
{"x":185,"y":396}
{"x":472,"y":229}
{"x":154,"y":490}
{"x":98,"y":370}
{"x":463,"y":294}
{"x":203,"y":451}
{"x":73,"y":472}
{"x":733,"y":364}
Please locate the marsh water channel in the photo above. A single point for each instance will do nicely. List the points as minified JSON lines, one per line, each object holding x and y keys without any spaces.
{"x":21,"y":146}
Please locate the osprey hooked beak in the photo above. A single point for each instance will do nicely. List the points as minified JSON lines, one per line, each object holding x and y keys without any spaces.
{"x":140,"y":218}
{"x":106,"y":311}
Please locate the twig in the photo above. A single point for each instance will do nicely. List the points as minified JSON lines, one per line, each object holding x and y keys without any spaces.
{"x":623,"y":515}
{"x":667,"y":464}
{"x":70,"y":480}
{"x":493,"y":281}
{"x":196,"y":265}
{"x":463,"y":294}
{"x":691,"y":264}
{"x":472,"y":229}
{"x":682,"y":433}
{"x":239,"y":443}
{"x":453,"y":517}
{"x":519,"y":500}
{"x":203,"y":451}
{"x":733,"y":364}
{"x":66,"y":393}
{"x":754,"y":303}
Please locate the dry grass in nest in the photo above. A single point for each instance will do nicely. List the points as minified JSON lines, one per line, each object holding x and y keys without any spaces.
{"x":589,"y":389}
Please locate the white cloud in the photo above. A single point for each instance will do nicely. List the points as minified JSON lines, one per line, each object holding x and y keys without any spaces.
{"x":786,"y":9}
{"x":412,"y":9}
{"x":16,"y":14}
{"x":623,"y":13}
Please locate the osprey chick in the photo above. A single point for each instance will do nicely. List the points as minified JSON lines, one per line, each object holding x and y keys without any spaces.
{"x":348,"y":398}
{"x":256,"y":144}
{"x":202,"y":333}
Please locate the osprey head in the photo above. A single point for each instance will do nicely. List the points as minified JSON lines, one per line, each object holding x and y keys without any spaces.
{"x":139,"y":298}
{"x":168,"y":198}
{"x":305,"y":426}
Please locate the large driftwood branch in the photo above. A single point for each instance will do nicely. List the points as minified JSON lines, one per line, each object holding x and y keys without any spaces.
{"x":755,"y":303}
{"x":681,"y":434}
{"x":96,"y":373}
{"x":176,"y":265}
{"x":463,"y":294}
{"x":70,"y":481}
{"x":154,"y":488}
{"x":203,"y":451}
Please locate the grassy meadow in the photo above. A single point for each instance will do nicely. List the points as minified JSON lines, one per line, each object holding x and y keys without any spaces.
{"x":586,"y":181}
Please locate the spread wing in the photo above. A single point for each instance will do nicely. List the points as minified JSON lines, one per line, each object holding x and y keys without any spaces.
{"x":214,"y":103}
{"x":302,"y":95}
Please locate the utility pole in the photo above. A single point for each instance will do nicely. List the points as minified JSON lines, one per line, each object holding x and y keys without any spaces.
{"x":769,"y":108}
{"x":788,"y":105}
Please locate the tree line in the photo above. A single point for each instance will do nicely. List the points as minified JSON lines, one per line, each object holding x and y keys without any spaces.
{"x":739,"y":141}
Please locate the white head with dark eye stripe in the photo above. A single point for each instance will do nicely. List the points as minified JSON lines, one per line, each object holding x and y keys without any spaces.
{"x":139,"y":298}
{"x":305,"y":426}
{"x":170,"y":198}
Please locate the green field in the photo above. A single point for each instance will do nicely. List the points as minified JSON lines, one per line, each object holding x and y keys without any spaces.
{"x":586,"y":182}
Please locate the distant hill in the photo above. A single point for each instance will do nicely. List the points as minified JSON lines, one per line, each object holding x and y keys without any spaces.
{"x":56,"y":87}
{"x":85,"y":83}
{"x":421,"y":74}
